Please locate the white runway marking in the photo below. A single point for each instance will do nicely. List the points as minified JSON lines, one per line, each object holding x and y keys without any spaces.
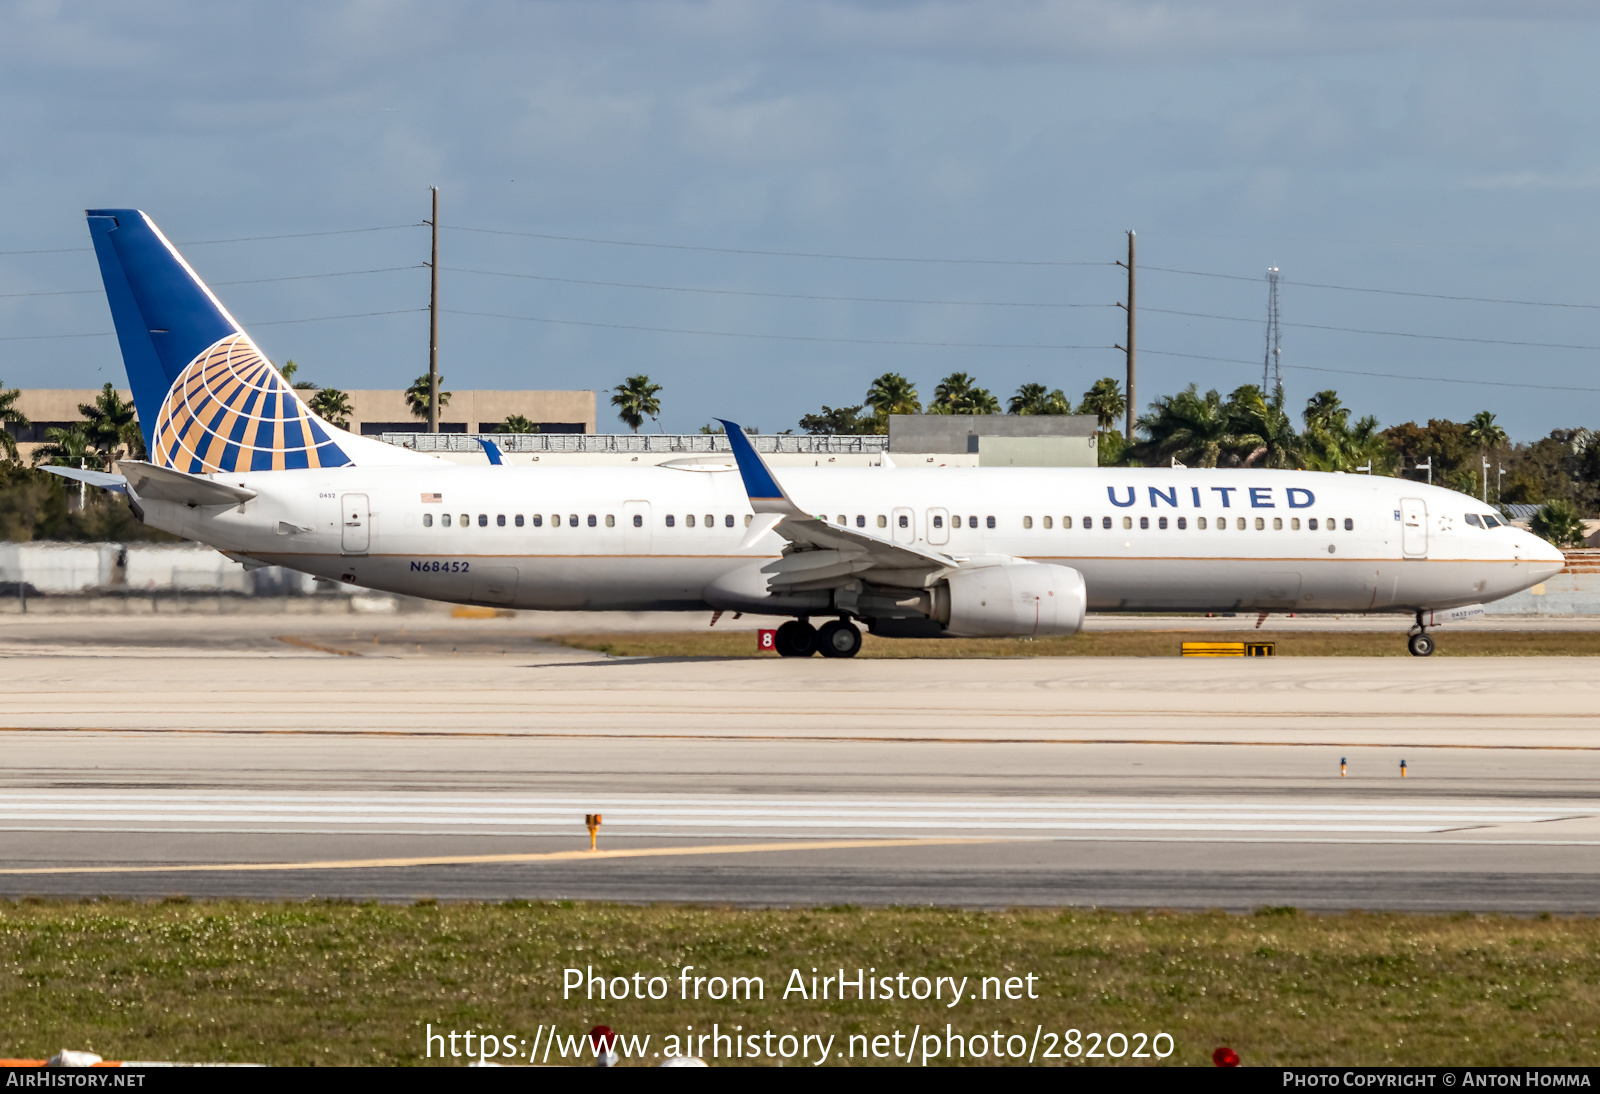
{"x":729,"y":816}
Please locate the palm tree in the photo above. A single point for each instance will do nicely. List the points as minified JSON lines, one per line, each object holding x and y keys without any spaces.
{"x":1483,"y":431}
{"x":1034,"y":399}
{"x":418,"y":396}
{"x":1105,"y":401}
{"x":333,"y":406}
{"x":635,"y":400}
{"x":1558,"y":522}
{"x":959,"y":393}
{"x":111,"y":424}
{"x":70,"y":447}
{"x":1263,"y":435}
{"x":10,"y":415}
{"x":289,"y":369}
{"x":1189,"y":427}
{"x":516,"y":423}
{"x":889,"y":394}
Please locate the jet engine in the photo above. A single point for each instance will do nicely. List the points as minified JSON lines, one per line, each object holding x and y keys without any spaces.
{"x":1022,"y":599}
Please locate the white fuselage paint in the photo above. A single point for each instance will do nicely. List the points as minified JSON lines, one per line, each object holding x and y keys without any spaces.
{"x":1406,"y":545}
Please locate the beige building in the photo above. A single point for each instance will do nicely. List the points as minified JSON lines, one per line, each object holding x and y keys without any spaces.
{"x":373,"y":412}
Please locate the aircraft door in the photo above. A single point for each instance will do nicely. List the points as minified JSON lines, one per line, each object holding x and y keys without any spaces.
{"x":903,"y":523}
{"x":1414,"y":527}
{"x":636,"y":528}
{"x":938,"y":526}
{"x":355,"y":519}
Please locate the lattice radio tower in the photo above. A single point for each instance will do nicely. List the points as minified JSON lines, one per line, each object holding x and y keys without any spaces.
{"x":1272,"y":374}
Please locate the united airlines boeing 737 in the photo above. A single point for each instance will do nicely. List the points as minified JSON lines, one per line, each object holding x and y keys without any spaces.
{"x":238,"y":461}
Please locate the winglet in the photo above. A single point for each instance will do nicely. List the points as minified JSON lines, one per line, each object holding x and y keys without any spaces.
{"x":766,"y":496}
{"x":492,"y":450}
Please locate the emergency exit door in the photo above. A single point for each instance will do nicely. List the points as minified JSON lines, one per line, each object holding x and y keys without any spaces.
{"x":1413,"y":527}
{"x":355,"y":520}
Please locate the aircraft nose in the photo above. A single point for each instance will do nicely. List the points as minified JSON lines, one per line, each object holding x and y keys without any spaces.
{"x":1545,"y":558}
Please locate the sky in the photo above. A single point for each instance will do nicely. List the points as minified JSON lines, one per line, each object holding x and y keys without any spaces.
{"x":765,"y":205}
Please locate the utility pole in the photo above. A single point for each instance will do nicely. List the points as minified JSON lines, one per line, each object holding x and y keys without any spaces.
{"x":433,"y":321}
{"x":1129,"y":348}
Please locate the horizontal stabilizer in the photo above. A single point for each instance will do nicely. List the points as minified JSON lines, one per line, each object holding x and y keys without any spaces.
{"x":93,"y":478}
{"x":148,"y":481}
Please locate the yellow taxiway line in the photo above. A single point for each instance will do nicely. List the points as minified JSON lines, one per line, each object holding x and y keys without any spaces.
{"x":478,"y":860}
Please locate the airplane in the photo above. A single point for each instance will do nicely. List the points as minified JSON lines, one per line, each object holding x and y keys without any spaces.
{"x":238,"y":461}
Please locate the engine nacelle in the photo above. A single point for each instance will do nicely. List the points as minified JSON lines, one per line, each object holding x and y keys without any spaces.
{"x":1017,"y":600}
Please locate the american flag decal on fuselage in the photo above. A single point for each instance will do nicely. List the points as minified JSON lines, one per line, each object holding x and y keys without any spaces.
{"x":231,"y":410}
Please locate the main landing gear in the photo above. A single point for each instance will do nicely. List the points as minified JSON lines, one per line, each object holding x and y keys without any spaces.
{"x":1421,"y":643}
{"x":798,"y":638}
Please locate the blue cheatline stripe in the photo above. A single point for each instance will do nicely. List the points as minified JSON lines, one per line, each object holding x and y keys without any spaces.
{"x":758,"y":481}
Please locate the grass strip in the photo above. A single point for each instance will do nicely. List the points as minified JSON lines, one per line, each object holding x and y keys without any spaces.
{"x":339,"y":983}
{"x":724,"y":644}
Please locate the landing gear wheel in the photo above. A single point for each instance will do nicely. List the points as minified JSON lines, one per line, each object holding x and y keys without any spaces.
{"x":1421,"y":645}
{"x":840,"y":638}
{"x":795,"y":639}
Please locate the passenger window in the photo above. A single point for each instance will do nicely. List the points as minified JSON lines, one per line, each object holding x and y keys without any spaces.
{"x":1490,"y":522}
{"x":538,"y":520}
{"x":989,"y":521}
{"x":1349,"y":525}
{"x":861,"y":521}
{"x":466,"y":520}
{"x":591,"y":520}
{"x":748,"y":517}
{"x":1472,"y":519}
{"x":883,"y":521}
{"x":938,"y":522}
{"x":483,"y":520}
{"x":1088,"y":522}
{"x":688,"y":521}
{"x":1105,"y":522}
{"x":1144,"y":524}
{"x":1277,"y":524}
{"x":728,"y":520}
{"x":1199,"y":522}
{"x":1127,"y":523}
{"x":1240,"y":524}
{"x":905,"y":521}
{"x":500,"y":520}
{"x":1047,"y":522}
{"x":519,"y":520}
{"x":427,"y":520}
{"x":1027,"y":522}
{"x":711,"y":521}
{"x":1311,"y":523}
{"x":1294,"y":524}
{"x":638,"y":520}
{"x":1261,"y":523}
{"x":972,"y":522}
{"x":611,"y":520}
{"x":572,"y":520}
{"x":1183,"y":522}
{"x":670,"y":521}
{"x":1161,"y":522}
{"x":1066,"y":522}
{"x":842,"y":522}
{"x":444,"y":519}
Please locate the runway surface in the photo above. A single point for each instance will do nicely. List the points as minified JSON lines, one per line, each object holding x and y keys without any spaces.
{"x":456,"y":759}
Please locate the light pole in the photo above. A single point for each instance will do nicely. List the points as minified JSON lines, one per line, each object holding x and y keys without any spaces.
{"x":1428,"y":467}
{"x":1499,"y":481}
{"x":1486,"y":480}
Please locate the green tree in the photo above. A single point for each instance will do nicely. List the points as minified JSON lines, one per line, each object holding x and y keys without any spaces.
{"x":889,"y":394}
{"x":1558,"y":522}
{"x":635,"y":400}
{"x":333,"y":406}
{"x":418,"y":397}
{"x":1191,"y":428}
{"x":1484,"y":433}
{"x":69,"y":447}
{"x":838,"y":421}
{"x":1034,"y":399}
{"x":1262,"y":434}
{"x":516,"y":423}
{"x":1105,"y":401}
{"x":959,"y":393}
{"x":112,"y":425}
{"x":10,"y":415}
{"x":289,"y":369}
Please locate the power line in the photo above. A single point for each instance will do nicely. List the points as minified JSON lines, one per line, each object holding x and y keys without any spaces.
{"x":253,"y":323}
{"x":773,"y":295}
{"x":1384,"y":292}
{"x":250,"y":281}
{"x":238,"y":239}
{"x":768,"y":337}
{"x":1380,"y":375}
{"x":775,"y":254}
{"x":1385,"y":333}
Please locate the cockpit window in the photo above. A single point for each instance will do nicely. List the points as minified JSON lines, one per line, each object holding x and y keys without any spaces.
{"x":1490,"y":522}
{"x":1472,"y":519}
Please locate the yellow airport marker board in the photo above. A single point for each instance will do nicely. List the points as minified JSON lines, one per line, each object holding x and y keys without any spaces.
{"x":1227,"y":649}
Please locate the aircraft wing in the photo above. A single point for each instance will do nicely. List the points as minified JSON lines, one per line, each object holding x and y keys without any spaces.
{"x":93,"y":478}
{"x":819,"y":554}
{"x":147,"y":480}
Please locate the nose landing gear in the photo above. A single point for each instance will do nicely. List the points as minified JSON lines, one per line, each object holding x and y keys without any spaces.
{"x":1420,"y":643}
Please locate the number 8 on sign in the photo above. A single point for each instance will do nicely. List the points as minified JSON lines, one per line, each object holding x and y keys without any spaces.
{"x":767,"y":640}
